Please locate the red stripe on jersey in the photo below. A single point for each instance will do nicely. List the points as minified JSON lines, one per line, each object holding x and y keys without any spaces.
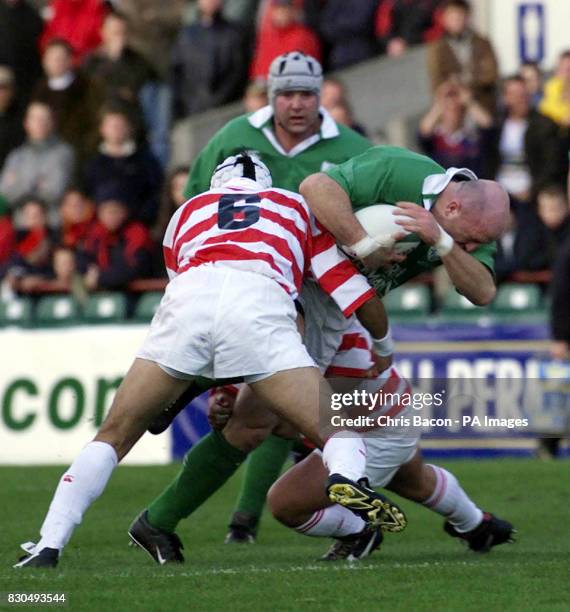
{"x":350,"y":341}
{"x":192,"y":205}
{"x":337,"y":275}
{"x":302,"y":237}
{"x":358,"y":303}
{"x":169,"y":259}
{"x":283,"y":200}
{"x":255,"y":235}
{"x":192,"y":232}
{"x":322,"y":242}
{"x":333,"y":371}
{"x":229,"y":252}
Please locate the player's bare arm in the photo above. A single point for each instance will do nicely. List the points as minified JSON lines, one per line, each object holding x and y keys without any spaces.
{"x":332,"y":207}
{"x":471,"y":278}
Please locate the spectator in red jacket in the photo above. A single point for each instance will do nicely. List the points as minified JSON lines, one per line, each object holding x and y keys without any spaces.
{"x":30,"y":262}
{"x":77,"y":213}
{"x":117,"y":250}
{"x":76,"y":21}
{"x":7,"y":235}
{"x":281,"y":32}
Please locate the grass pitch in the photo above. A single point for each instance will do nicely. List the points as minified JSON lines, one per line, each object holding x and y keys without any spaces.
{"x":420,"y":569}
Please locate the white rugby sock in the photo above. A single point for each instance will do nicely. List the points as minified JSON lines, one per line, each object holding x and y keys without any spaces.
{"x":345,"y":453}
{"x":333,"y":522}
{"x":78,"y":488}
{"x":451,"y":501}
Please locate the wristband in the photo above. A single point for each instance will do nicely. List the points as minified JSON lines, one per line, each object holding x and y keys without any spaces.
{"x":444,"y":244}
{"x":368,"y":245}
{"x":383,"y":347}
{"x":362,"y":248}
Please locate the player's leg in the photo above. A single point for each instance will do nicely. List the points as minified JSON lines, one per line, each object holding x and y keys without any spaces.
{"x":142,"y":395}
{"x":263,"y":467}
{"x":298,"y":500}
{"x":303,"y":397}
{"x":206,"y":467}
{"x":439,"y":490}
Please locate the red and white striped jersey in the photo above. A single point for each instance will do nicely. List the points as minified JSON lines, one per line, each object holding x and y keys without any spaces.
{"x":268,"y":232}
{"x":353,"y":359}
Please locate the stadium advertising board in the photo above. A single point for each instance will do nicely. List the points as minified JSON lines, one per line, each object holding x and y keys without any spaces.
{"x":497,"y":394}
{"x":56,"y":387}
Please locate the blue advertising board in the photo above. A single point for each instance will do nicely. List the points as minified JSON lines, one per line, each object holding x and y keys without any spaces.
{"x":493,"y":378}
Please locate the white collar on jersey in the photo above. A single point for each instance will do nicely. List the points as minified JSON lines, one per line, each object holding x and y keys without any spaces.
{"x":434,"y":184}
{"x":329,"y":129}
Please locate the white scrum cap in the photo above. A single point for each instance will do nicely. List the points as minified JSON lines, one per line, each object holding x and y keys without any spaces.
{"x":244,"y":165}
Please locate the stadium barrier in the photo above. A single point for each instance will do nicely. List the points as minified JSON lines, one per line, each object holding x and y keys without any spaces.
{"x":57,"y":384}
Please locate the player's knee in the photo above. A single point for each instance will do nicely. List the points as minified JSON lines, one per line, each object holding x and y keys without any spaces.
{"x":277,"y":504}
{"x":121,"y":438}
{"x":245,"y":438}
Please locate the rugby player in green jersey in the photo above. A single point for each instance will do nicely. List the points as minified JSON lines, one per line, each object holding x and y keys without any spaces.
{"x":456,"y":218}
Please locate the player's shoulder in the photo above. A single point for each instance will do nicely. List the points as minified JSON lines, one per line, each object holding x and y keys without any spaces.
{"x":403,"y":158}
{"x":283,"y":193}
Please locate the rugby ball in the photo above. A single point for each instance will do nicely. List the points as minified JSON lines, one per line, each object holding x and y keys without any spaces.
{"x":380,"y":223}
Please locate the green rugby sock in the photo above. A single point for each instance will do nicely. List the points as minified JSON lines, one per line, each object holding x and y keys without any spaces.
{"x":262,"y":469}
{"x":206,"y":467}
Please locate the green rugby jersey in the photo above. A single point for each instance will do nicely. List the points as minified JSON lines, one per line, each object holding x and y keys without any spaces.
{"x":333,"y":145}
{"x":386,"y":175}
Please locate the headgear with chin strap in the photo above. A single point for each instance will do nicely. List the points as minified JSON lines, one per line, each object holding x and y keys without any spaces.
{"x":244,"y":165}
{"x":294,"y":71}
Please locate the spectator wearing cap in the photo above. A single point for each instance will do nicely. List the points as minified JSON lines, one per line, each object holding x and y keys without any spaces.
{"x":20,"y":28}
{"x":11,"y":129}
{"x":207,"y":67}
{"x":282,"y":30}
{"x":76,"y":21}
{"x":117,"y":250}
{"x":42,"y":166}
{"x":122,"y":167}
{"x":465,"y":55}
{"x":74,"y":97}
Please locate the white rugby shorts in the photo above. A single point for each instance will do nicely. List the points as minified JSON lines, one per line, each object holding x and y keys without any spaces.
{"x":325,"y":324}
{"x":219,"y":322}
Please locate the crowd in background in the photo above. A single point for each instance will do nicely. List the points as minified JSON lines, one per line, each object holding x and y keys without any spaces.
{"x":89,"y":91}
